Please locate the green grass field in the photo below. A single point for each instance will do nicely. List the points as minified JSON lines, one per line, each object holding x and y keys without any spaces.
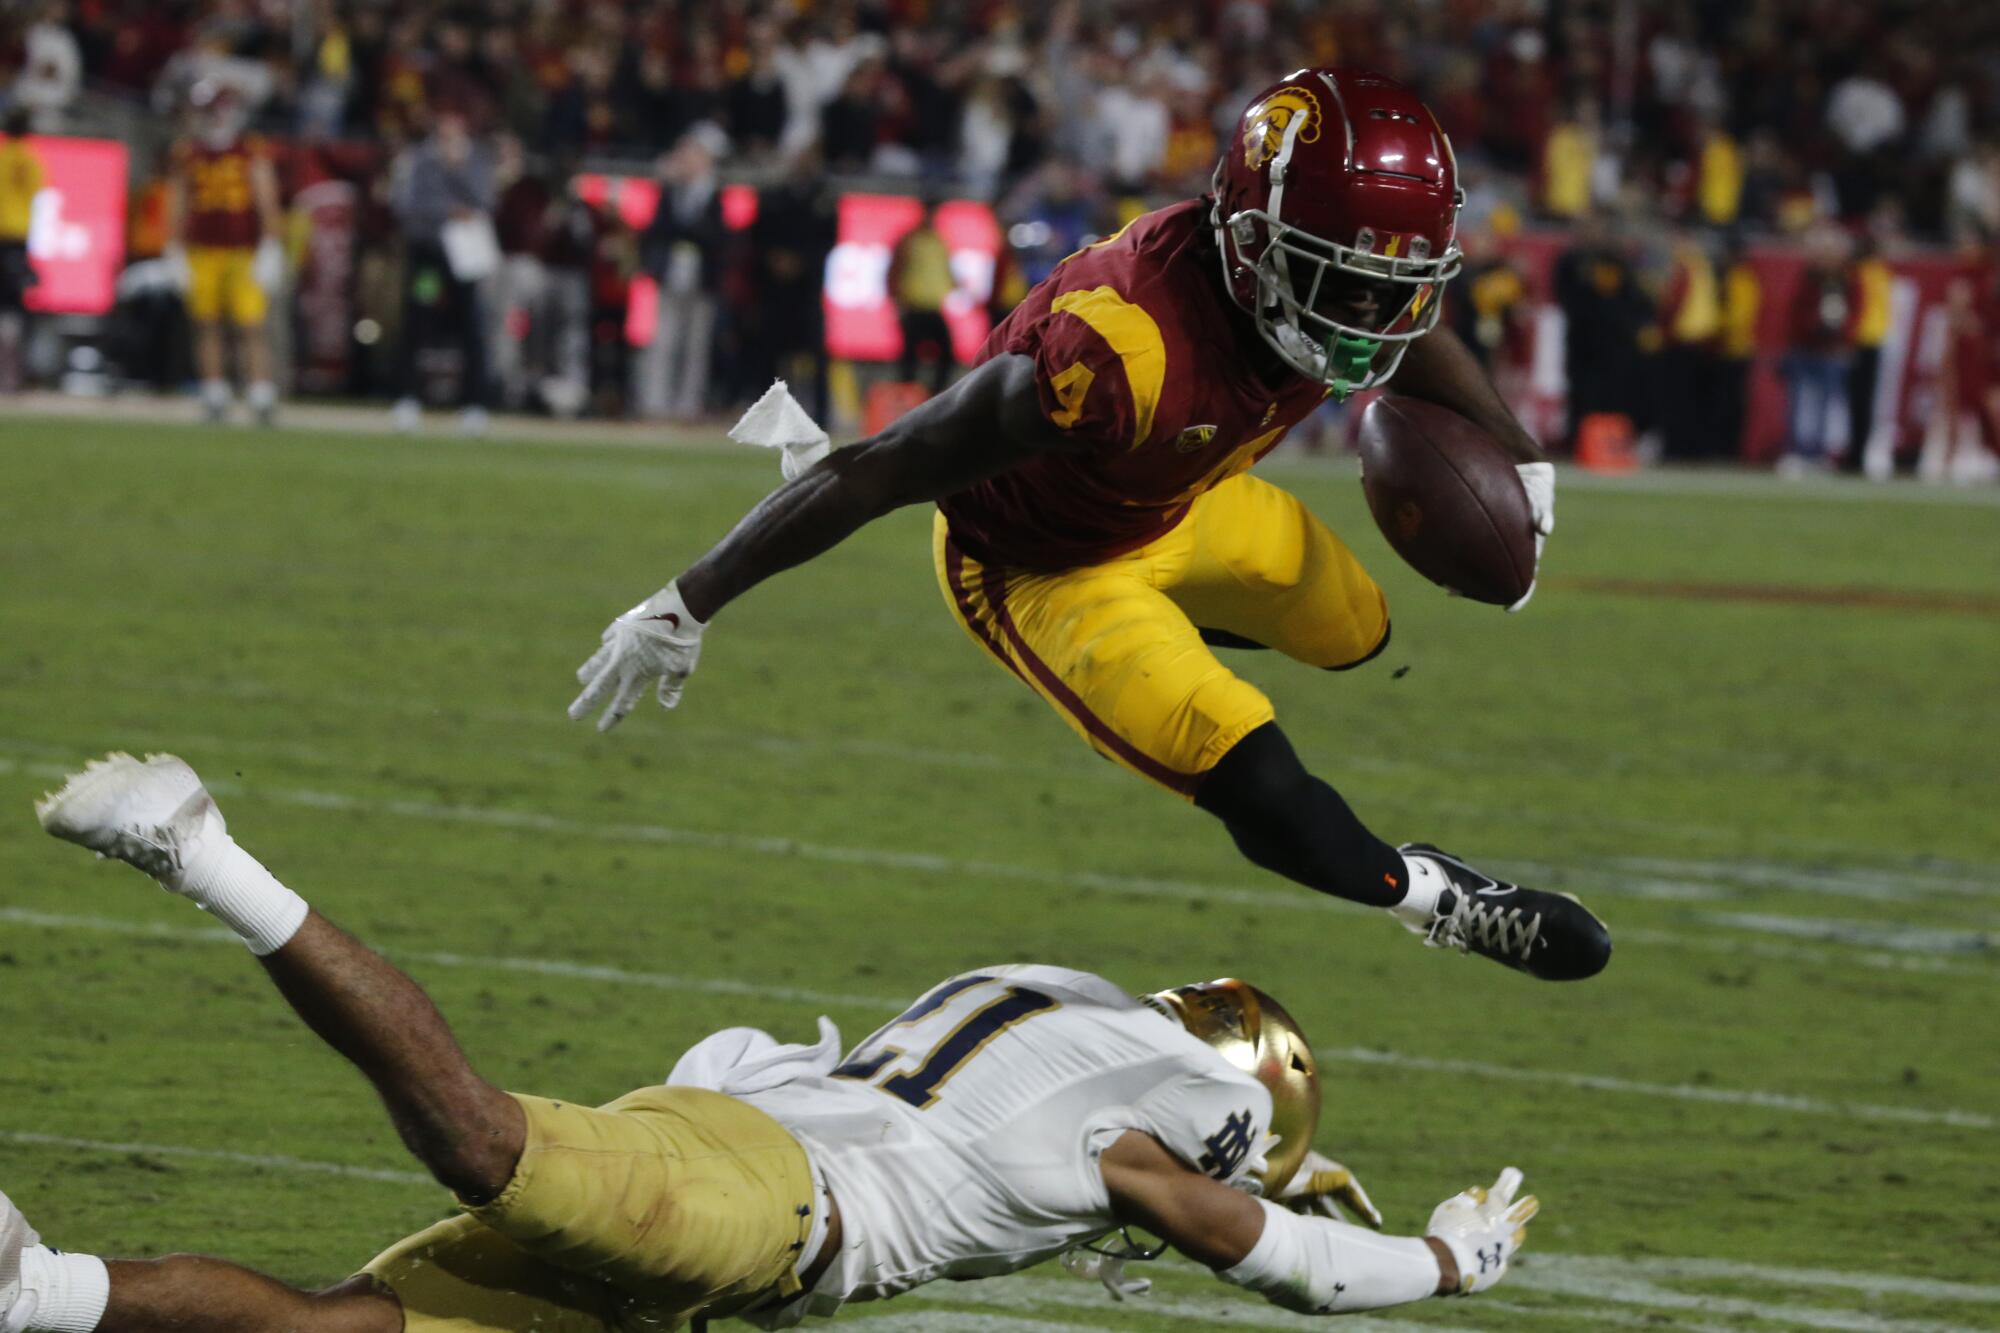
{"x":1779,"y":1108}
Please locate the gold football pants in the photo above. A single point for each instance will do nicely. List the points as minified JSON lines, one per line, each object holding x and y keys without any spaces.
{"x":1116,"y":648}
{"x":661,"y":1205}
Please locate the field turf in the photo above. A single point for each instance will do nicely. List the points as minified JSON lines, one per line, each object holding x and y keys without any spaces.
{"x":1754,"y":726}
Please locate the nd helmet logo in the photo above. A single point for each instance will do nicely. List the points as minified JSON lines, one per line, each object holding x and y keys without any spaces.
{"x":1265,"y":133}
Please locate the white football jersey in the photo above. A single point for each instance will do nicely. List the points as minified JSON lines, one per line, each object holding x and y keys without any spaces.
{"x":961,"y":1140}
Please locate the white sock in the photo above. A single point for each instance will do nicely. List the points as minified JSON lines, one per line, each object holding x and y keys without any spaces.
{"x":233,"y":885}
{"x":69,"y":1291}
{"x":1420,"y":900}
{"x":215,"y":393}
{"x":262,"y":394}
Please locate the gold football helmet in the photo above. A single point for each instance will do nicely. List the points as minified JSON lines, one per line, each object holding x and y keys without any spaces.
{"x":1253,"y":1032}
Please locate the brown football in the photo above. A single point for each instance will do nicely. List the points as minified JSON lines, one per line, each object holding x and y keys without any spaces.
{"x":1447,"y":497}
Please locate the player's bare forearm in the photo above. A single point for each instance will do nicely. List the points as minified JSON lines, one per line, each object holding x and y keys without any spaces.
{"x":987,"y":422}
{"x":1210,"y":1223}
{"x":1440,"y":369}
{"x":1220,"y":1226}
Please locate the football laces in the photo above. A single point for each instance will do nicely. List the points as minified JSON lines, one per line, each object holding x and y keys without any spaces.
{"x":1502,"y":930}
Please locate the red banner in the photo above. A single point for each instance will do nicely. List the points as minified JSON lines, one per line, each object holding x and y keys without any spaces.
{"x":860,"y":316}
{"x":323,"y":300}
{"x":76,"y":240}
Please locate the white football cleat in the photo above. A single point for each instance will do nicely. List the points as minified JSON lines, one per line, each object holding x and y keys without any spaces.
{"x":153,"y":814}
{"x":15,"y":1235}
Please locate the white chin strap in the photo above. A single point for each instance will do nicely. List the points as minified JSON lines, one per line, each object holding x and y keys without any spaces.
{"x":1300,"y":351}
{"x":1280,"y":167}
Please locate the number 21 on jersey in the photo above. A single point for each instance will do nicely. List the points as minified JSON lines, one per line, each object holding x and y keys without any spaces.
{"x":991,"y":1014}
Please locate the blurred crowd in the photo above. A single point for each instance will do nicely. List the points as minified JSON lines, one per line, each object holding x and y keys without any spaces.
{"x":1664,"y":133}
{"x":1771,"y":112}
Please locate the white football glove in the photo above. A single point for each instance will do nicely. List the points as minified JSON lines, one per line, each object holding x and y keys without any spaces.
{"x":1324,"y":1187}
{"x":267,"y":266}
{"x":1483,"y":1228}
{"x":659,"y":639}
{"x":1539,"y":481}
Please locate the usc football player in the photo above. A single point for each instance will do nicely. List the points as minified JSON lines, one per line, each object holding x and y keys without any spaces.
{"x":1098,"y":529}
{"x":223,"y":225}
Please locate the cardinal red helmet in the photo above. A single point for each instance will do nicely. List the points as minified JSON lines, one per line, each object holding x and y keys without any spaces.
{"x":1336,"y":212}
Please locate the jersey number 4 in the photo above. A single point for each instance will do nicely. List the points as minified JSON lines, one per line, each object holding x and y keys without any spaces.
{"x":919,"y":1086}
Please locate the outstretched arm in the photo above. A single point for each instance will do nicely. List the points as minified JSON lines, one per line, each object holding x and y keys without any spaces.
{"x":1315,"y":1265}
{"x":986,"y":423}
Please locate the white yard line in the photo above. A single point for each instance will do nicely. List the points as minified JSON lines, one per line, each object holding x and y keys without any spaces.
{"x":528,"y":821}
{"x":550,"y":967}
{"x":1606,"y":1280}
{"x":1751,"y":1097}
{"x":1063,"y":759}
{"x":1137,"y":886}
{"x":1867,"y":934}
{"x":1877,"y":885}
{"x":1670,"y":879}
{"x":1685,"y":1092}
{"x":1842,"y":956}
{"x":263,"y":1161}
{"x":1871,"y":1284}
{"x":1620,"y":1281}
{"x":1571,"y":1275}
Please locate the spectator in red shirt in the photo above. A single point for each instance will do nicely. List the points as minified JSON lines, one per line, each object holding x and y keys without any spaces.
{"x":1817,"y":355}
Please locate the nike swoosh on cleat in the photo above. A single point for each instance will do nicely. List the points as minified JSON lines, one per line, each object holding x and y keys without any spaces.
{"x":669,"y":617}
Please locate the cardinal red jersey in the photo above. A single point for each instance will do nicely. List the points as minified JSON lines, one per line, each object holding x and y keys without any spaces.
{"x":1138,"y":358}
{"x":221,"y":203}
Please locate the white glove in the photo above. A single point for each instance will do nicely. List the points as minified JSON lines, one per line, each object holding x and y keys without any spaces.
{"x":178,"y":273}
{"x":1320,"y":1184}
{"x":1483,"y":1228}
{"x":267,"y":268}
{"x":659,"y":639}
{"x":1539,"y":481}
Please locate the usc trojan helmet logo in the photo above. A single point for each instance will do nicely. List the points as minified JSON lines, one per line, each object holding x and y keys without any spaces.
{"x":1265,"y":125}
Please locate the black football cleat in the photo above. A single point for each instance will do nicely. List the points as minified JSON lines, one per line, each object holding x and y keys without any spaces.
{"x":1550,"y":936}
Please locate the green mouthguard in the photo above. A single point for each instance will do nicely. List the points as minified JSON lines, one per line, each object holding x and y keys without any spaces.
{"x":1350,"y":358}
